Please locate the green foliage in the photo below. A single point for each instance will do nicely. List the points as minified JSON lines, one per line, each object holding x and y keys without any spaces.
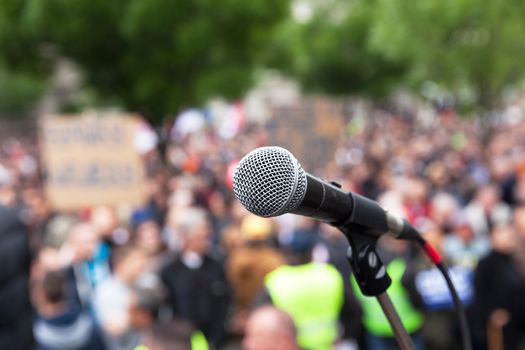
{"x":331,"y":53}
{"x":460,"y":44}
{"x":472,"y":48}
{"x":18,"y":91}
{"x":156,"y":56}
{"x":23,"y":71}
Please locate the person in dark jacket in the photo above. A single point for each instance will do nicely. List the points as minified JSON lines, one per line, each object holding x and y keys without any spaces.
{"x":60,"y":324}
{"x":158,"y":329}
{"x":15,"y":306}
{"x":498,"y":288}
{"x":196,"y":282}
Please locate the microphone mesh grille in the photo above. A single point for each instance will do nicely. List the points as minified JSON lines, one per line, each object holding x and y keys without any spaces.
{"x":269,"y":181}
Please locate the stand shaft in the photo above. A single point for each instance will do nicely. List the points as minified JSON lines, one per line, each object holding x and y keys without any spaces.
{"x":402,"y":337}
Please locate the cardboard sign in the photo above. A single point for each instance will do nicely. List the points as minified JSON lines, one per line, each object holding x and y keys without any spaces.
{"x":90,"y":160}
{"x":309,"y":130}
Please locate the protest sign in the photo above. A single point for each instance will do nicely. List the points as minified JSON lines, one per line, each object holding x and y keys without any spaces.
{"x":432,"y":287}
{"x":90,"y":160}
{"x":310,"y":130}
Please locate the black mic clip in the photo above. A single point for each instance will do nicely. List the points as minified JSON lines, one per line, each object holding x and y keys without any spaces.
{"x":362,"y":229}
{"x":368,"y":268}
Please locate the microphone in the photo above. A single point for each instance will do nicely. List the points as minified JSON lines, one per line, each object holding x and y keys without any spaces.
{"x":269,"y":181}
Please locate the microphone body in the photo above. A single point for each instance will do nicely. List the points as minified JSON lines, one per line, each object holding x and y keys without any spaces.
{"x":269,"y":181}
{"x":324,"y":201}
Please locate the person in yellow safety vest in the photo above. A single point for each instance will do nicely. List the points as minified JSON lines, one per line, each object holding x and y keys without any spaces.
{"x":379,"y":332}
{"x":311,"y":293}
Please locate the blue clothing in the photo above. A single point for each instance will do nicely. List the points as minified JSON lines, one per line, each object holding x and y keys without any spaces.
{"x":97,"y":269}
{"x":466,"y":254}
{"x":72,"y":330}
{"x":380,"y":343}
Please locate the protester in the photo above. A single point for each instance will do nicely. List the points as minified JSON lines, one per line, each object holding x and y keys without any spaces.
{"x":463,"y":246}
{"x":312,"y":293}
{"x":15,"y":307}
{"x":249,"y":263}
{"x":105,"y":223}
{"x":112,"y":298}
{"x":88,"y":259}
{"x":430,"y":294}
{"x":332,"y":247}
{"x":198,"y":290}
{"x":498,"y":286}
{"x":487,"y":210}
{"x":60,"y":323}
{"x":157,"y":327}
{"x":148,"y":239}
{"x":463,"y":175}
{"x":270,"y":328}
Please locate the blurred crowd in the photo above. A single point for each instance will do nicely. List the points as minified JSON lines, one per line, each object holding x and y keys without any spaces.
{"x":192,"y":269}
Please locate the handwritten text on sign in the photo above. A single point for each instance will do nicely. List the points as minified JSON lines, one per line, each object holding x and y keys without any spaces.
{"x":90,"y":160}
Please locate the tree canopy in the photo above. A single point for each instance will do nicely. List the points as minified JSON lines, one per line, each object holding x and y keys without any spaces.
{"x":23,"y":72}
{"x":152,"y":56}
{"x":471,"y":48}
{"x":158,"y":56}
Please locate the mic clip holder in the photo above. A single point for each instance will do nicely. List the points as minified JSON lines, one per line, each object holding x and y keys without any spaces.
{"x":369,"y":270}
{"x":362,"y":232}
{"x":363,"y":228}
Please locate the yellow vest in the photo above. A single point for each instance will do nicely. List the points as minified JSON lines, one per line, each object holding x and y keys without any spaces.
{"x":198,"y":342}
{"x":375,"y":320}
{"x":312,"y":294}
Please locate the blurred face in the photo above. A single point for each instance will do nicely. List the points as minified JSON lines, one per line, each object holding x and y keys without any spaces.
{"x":504,"y":239}
{"x":238,"y":212}
{"x":464,"y":231}
{"x":417,"y":190}
{"x":84,"y":241}
{"x":36,"y":203}
{"x":438,"y":174}
{"x":198,"y":240}
{"x":132,"y":266}
{"x":217,"y":204}
{"x":104,"y":220}
{"x":443,"y":210}
{"x":258,"y":338}
{"x":263,"y":332}
{"x":232,"y":238}
{"x":148,"y":237}
{"x":488,"y":197}
{"x":7,"y":195}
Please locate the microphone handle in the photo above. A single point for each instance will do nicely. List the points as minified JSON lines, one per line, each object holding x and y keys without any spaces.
{"x":325,"y":202}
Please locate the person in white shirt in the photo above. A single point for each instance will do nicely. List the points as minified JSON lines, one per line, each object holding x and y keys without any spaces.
{"x":113,"y":297}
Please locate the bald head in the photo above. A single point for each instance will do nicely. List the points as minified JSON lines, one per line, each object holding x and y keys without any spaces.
{"x":269,"y":328}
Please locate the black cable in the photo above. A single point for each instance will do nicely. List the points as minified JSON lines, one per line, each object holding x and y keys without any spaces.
{"x":435,"y":257}
{"x":463,"y":324}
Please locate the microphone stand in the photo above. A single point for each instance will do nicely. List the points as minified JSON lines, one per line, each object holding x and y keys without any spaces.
{"x":372,"y":277}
